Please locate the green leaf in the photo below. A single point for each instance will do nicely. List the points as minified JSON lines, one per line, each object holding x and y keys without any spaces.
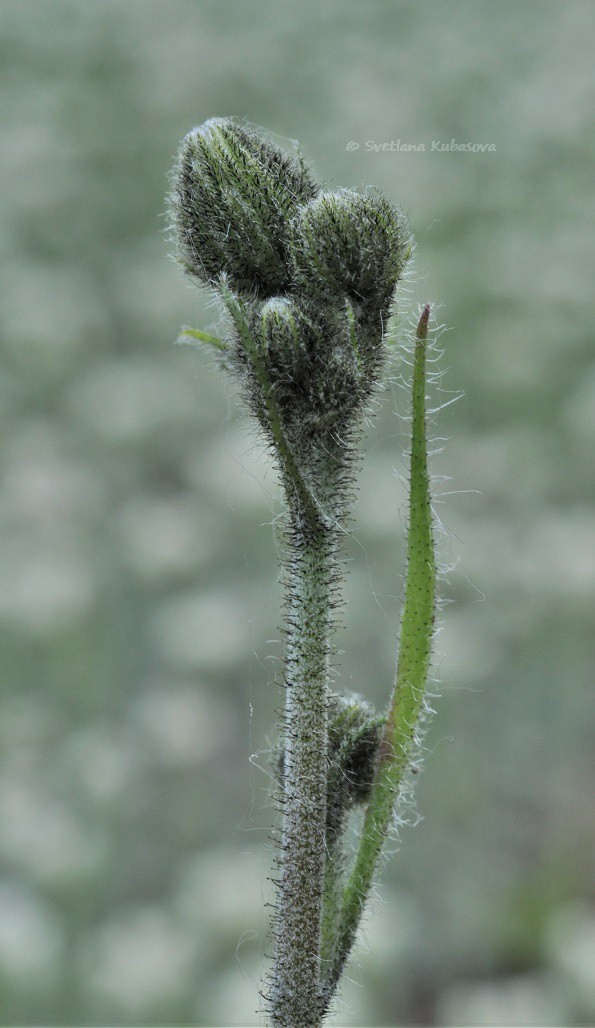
{"x":417,"y":625}
{"x":191,"y":336}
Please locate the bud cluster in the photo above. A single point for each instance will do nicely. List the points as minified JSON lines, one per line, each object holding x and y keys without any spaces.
{"x":307,"y":276}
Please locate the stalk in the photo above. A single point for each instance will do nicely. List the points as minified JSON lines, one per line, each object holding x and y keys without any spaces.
{"x":295,"y":999}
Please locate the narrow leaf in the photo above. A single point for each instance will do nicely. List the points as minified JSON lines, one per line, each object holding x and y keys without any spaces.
{"x":192,"y":335}
{"x":412,"y":670}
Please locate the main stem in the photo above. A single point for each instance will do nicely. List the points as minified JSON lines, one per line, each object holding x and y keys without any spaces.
{"x":295,"y":999}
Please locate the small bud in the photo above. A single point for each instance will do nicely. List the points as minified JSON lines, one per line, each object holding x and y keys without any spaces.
{"x":354,"y":739}
{"x":280,"y":329}
{"x":311,"y":365}
{"x":233,"y":197}
{"x":350,"y":244}
{"x":314,"y":384}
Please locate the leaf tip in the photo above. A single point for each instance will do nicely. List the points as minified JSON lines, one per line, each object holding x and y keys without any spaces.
{"x":422,"y":325}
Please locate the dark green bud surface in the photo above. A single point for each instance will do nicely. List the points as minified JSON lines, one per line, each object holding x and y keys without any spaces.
{"x":352,"y":244}
{"x":234,"y":194}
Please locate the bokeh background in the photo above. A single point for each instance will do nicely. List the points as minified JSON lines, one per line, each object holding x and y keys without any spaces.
{"x":139,"y":600}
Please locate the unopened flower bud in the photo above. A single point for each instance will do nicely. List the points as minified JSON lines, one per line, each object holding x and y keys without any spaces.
{"x":352,"y":244}
{"x":354,"y":737}
{"x":280,"y":327}
{"x":234,"y":193}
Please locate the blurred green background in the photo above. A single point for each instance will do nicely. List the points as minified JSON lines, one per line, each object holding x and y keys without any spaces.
{"x":138,"y":586}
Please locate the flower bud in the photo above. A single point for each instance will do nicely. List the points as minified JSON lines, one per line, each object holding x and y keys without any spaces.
{"x":280,"y":327}
{"x":233,"y":197}
{"x":311,"y":363}
{"x":354,"y":738}
{"x":352,"y":244}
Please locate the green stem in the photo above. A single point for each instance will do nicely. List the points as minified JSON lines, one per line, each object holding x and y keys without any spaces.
{"x":412,"y":670}
{"x":295,"y":998}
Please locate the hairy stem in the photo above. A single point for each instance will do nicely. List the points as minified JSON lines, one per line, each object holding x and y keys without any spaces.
{"x":412,"y":670}
{"x":295,"y":999}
